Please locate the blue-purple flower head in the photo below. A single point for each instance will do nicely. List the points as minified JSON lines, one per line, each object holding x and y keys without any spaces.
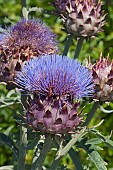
{"x":55,"y":82}
{"x":56,"y":75}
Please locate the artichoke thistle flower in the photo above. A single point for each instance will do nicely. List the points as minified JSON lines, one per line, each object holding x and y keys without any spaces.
{"x":102,"y":72}
{"x":21,"y":42}
{"x":55,"y":82}
{"x":82,"y":18}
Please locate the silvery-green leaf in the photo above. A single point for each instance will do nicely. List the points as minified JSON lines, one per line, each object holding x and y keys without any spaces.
{"x":8,"y":167}
{"x":6,"y":140}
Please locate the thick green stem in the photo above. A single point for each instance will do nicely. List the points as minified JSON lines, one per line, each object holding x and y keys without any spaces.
{"x":91,"y":113}
{"x":64,"y":151}
{"x":78,"y":48}
{"x":67,"y":45}
{"x":23,"y":3}
{"x":22,"y":151}
{"x":76,"y":159}
{"x":38,"y":163}
{"x":24,"y":10}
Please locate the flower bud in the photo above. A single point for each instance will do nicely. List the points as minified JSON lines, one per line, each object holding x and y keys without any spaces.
{"x":102,"y":72}
{"x":82,"y":18}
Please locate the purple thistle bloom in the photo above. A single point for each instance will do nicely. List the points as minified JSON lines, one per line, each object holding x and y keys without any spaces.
{"x":56,"y":75}
{"x":33,"y":34}
{"x":21,"y":42}
{"x":55,"y":81}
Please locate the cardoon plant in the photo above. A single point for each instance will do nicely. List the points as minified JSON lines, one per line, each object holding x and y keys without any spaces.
{"x":56,"y":96}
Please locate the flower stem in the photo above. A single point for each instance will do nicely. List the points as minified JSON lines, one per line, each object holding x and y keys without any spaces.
{"x":91,"y":113}
{"x":38,"y":163}
{"x":75,"y":157}
{"x":78,"y":48}
{"x":64,"y":151}
{"x":23,"y":3}
{"x":67,"y":44}
{"x":22,"y":151}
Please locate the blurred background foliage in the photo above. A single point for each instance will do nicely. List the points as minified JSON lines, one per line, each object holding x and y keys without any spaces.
{"x":10,"y":13}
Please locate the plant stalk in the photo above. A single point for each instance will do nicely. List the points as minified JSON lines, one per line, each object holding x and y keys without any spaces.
{"x":79,"y":47}
{"x":67,"y":44}
{"x":23,"y":3}
{"x":64,"y":151}
{"x":22,"y":151}
{"x":38,"y":163}
{"x":74,"y":155}
{"x":91,"y":113}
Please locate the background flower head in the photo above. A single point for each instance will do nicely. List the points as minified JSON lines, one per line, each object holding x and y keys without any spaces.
{"x":23,"y":41}
{"x":82,"y":18}
{"x":55,"y":82}
{"x":102,"y":72}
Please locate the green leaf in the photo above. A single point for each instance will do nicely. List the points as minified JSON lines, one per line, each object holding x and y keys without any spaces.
{"x":8,"y":167}
{"x":96,"y":159}
{"x":104,"y":139}
{"x":6,"y":140}
{"x":93,"y":154}
{"x":25,"y":13}
{"x":109,"y":143}
{"x":7,"y":101}
{"x":33,"y":143}
{"x":19,"y":117}
{"x":94,"y":141}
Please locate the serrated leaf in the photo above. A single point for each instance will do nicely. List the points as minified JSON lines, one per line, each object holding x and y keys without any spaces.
{"x":96,"y":147}
{"x":104,"y":139}
{"x":109,"y":143}
{"x":94,"y":141}
{"x":95,"y":158}
{"x":6,"y":140}
{"x":93,"y":154}
{"x":8,"y":167}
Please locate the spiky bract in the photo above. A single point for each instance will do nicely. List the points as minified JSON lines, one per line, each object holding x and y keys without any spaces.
{"x":102,"y":72}
{"x":82,"y":18}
